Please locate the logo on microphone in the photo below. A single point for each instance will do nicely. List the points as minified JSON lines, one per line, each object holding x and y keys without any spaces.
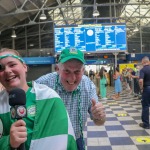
{"x":13,"y":112}
{"x":21,"y":111}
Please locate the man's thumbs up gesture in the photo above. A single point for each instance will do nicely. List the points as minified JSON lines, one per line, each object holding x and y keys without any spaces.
{"x":98,"y":112}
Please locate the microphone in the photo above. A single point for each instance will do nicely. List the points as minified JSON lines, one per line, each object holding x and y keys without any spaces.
{"x":17,"y":101}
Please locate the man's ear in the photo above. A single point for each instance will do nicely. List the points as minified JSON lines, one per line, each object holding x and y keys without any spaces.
{"x":56,"y":68}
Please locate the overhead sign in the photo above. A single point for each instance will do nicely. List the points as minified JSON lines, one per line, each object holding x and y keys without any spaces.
{"x":99,"y":62}
{"x":39,"y":60}
{"x":91,"y":38}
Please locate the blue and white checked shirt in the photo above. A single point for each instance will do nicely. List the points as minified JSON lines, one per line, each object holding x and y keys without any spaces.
{"x":86,"y":90}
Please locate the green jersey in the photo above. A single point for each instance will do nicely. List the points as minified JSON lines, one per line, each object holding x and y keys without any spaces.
{"x":47,"y":122}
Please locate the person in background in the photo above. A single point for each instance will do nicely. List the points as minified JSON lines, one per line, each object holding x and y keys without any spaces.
{"x":136,"y":81}
{"x":144,"y":82}
{"x":132,"y":74}
{"x":118,"y":86}
{"x":91,"y":74}
{"x":124,"y":82}
{"x":103,"y":83}
{"x":86,"y":73}
{"x":77,"y":91}
{"x":97,"y":77}
{"x":47,"y":125}
{"x":129,"y":80}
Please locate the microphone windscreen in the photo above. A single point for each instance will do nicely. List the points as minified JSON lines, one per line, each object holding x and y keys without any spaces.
{"x":17,"y":96}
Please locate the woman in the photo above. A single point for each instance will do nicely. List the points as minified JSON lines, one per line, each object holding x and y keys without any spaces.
{"x":103,"y":83}
{"x":97,"y":83}
{"x":47,"y":121}
{"x":118,"y":86}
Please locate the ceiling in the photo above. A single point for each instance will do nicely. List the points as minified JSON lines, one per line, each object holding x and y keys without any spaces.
{"x":36,"y":37}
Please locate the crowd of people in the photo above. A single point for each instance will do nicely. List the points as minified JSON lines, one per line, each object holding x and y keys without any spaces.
{"x":126,"y":79}
{"x":130,"y":80}
{"x":57,"y":103}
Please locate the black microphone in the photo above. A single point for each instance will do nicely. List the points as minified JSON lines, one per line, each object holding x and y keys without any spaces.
{"x":17,"y":101}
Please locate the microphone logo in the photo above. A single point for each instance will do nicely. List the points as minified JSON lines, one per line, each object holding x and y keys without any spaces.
{"x":21,"y":111}
{"x":13,"y":112}
{"x":18,"y":112}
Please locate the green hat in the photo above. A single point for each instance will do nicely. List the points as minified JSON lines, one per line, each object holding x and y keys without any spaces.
{"x":71,"y":53}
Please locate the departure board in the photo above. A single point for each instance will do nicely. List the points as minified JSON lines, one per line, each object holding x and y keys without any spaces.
{"x":91,"y":38}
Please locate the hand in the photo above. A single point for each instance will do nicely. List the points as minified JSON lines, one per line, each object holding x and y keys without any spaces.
{"x":18,"y":133}
{"x":98,"y":111}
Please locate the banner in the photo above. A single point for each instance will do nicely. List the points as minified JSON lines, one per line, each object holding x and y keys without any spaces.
{"x":124,"y":66}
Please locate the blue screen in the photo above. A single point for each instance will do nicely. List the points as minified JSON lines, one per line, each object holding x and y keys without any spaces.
{"x":91,"y":38}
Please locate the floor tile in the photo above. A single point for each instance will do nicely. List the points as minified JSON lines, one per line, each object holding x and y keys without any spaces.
{"x":118,"y":132}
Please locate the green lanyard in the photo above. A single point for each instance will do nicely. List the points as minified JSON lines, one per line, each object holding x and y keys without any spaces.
{"x":80,"y":117}
{"x":79,"y":108}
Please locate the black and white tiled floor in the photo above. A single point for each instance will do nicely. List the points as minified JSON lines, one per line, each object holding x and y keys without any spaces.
{"x":121,"y":130}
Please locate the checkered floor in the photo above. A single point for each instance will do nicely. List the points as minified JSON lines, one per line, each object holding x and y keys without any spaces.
{"x":121,"y":130}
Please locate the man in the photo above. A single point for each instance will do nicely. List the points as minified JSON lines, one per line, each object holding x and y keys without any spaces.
{"x":77,"y":91}
{"x":144,"y":82}
{"x":135,"y":78}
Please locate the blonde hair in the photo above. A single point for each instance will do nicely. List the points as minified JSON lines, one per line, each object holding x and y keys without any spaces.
{"x":10,"y":50}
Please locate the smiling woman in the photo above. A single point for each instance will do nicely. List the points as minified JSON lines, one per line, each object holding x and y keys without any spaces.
{"x":14,"y":133}
{"x":13,"y":70}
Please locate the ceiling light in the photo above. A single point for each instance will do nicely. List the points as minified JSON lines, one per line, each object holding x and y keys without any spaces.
{"x":136,"y":29}
{"x":43,"y":16}
{"x":31,"y":44}
{"x":13,"y":34}
{"x":96,"y":13}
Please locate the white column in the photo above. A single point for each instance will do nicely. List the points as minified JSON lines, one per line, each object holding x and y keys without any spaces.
{"x":116,"y":53}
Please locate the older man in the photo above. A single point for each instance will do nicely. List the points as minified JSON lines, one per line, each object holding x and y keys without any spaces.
{"x":144,"y":82}
{"x":77,"y":91}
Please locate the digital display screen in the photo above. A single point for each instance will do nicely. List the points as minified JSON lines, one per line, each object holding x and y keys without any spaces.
{"x":91,"y":38}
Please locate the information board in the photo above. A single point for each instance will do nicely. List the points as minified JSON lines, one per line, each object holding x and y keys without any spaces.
{"x":91,"y":38}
